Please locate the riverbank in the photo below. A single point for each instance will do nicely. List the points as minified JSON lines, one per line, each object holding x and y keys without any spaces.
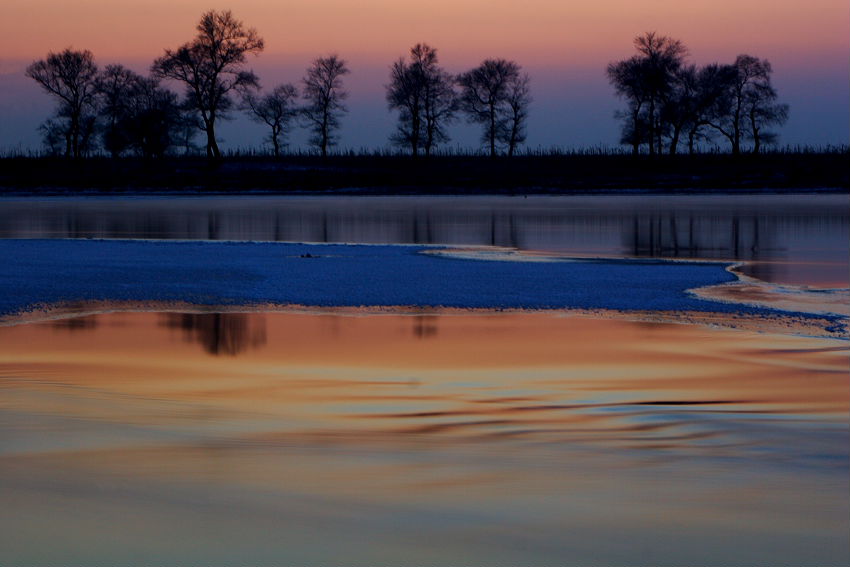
{"x":440,"y":175}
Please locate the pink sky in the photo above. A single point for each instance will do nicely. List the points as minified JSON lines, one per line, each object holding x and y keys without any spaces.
{"x":551,"y":31}
{"x":564,"y":44}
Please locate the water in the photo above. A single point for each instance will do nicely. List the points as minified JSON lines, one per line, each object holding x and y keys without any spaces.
{"x":523,"y":439}
{"x":527,"y":438}
{"x":796,"y":239}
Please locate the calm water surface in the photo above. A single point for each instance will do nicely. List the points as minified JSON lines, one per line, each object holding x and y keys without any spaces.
{"x":275,"y":438}
{"x":434,"y":439}
{"x":796,"y":239}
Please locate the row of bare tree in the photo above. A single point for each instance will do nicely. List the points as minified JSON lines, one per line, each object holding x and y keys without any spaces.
{"x":669,"y":99}
{"x":125,"y":112}
{"x":495,"y":95}
{"x":122,"y":111}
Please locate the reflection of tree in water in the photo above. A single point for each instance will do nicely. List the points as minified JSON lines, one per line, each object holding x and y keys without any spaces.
{"x":424,"y":326}
{"x":72,"y":324}
{"x":703,"y":236}
{"x":220,"y":333}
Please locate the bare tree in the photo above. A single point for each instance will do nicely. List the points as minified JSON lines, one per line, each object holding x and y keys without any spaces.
{"x":188,"y":126}
{"x":441,"y":104}
{"x":513,"y":132}
{"x":749,"y":103}
{"x":627,"y":78}
{"x":404,"y":93}
{"x":324,"y":93}
{"x":53,"y":136}
{"x":115,"y":86}
{"x":153,"y":121}
{"x":211,"y":66}
{"x":276,"y":110}
{"x":70,"y":76}
{"x":662,"y":57}
{"x":424,"y":95}
{"x":647,"y":81}
{"x":763,"y":111}
{"x":140,"y":115}
{"x":711,"y":82}
{"x":485,"y":94}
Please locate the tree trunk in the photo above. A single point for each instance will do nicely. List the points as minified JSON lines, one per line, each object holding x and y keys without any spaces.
{"x":659,"y":138}
{"x":492,"y":131}
{"x":75,"y":135}
{"x":512,"y":140}
{"x":736,"y":131}
{"x":635,"y":137}
{"x":212,"y":146}
{"x":756,"y":138}
{"x":429,"y":138}
{"x":415,"y":125}
{"x":652,"y":127}
{"x":325,"y":134}
{"x":276,"y":143}
{"x":674,"y":140}
{"x":68,"y":145}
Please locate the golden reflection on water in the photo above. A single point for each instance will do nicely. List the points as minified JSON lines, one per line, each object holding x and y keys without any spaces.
{"x":520,"y":437}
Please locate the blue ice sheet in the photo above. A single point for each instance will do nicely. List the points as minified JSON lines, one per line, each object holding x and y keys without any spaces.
{"x":38,"y":273}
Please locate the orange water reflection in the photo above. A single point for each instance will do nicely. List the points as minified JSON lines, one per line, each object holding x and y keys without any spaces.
{"x":515,"y":437}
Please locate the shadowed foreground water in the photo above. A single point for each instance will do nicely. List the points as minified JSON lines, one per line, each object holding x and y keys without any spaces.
{"x":281,"y":438}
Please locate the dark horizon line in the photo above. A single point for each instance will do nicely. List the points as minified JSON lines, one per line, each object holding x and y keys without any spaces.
{"x":602,"y":150}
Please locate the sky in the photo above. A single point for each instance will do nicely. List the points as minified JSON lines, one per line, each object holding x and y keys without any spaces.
{"x":564,"y":46}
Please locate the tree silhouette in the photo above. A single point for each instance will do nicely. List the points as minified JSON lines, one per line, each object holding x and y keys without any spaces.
{"x":763,"y":111}
{"x":152,"y":124}
{"x":485,"y":97}
{"x":324,"y":94}
{"x":749,"y":104}
{"x":647,"y":81}
{"x":668,"y":99}
{"x":275,"y":109}
{"x":69,"y":76}
{"x":139,"y":114}
{"x":692,"y":100}
{"x":710,"y":84}
{"x":627,"y":77}
{"x":211,"y":66}
{"x":115,"y":86}
{"x":424,"y":95}
{"x":513,"y":131}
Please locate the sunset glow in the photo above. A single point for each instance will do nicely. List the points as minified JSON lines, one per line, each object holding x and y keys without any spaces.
{"x":384,"y":282}
{"x":564,"y":46}
{"x":538,"y":31}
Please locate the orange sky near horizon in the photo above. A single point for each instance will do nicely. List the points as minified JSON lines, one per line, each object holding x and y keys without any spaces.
{"x":535,"y":32}
{"x":563,"y":44}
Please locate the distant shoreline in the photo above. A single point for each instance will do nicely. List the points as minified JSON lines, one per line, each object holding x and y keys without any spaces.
{"x":773,"y":173}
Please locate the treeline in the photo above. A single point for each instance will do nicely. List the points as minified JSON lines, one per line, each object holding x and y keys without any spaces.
{"x":670,"y":100}
{"x":121,"y":112}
